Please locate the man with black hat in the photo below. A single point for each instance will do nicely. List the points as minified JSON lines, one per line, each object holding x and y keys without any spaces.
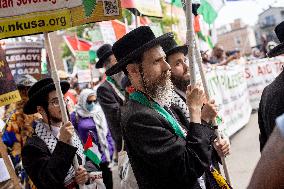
{"x":161,"y":152}
{"x":176,"y":58}
{"x":110,"y":94}
{"x":272,"y":102}
{"x":47,"y":155}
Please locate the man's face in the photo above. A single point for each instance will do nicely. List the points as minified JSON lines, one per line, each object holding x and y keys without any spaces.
{"x":179,"y":68}
{"x":112,"y":62}
{"x":54,"y":108}
{"x":156,"y":73}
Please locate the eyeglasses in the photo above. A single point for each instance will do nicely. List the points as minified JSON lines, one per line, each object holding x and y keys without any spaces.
{"x":91,"y":101}
{"x":55,"y":102}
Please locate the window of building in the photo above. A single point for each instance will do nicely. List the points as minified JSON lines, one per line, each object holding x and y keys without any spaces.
{"x":237,"y":41}
{"x":282,"y":14}
{"x":270,"y":20}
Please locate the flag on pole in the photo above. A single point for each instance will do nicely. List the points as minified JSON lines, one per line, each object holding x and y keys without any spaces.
{"x":176,"y":3}
{"x":91,"y":151}
{"x":209,"y":9}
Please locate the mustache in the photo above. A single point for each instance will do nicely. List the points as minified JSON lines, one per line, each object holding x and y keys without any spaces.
{"x":166,"y":75}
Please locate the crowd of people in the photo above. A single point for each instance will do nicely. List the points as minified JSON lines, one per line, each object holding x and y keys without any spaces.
{"x":145,"y":107}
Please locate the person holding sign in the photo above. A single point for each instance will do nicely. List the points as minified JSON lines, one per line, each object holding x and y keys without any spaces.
{"x":47,"y":156}
{"x":176,"y":57}
{"x":161,"y":152}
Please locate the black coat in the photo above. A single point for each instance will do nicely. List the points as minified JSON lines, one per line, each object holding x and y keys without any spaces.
{"x":270,"y":107}
{"x":110,"y":103}
{"x":159,"y":158}
{"x":45,"y":169}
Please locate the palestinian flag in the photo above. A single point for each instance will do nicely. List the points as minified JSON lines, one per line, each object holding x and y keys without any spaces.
{"x":91,"y":151}
{"x":209,"y":9}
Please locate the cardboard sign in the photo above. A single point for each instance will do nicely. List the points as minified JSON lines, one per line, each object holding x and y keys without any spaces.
{"x":25,"y":17}
{"x":8,"y":89}
{"x":24,"y":58}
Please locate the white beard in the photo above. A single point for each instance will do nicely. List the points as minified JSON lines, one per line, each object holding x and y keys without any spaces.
{"x":164,"y":95}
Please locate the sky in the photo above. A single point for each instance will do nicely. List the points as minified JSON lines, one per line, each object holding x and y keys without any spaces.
{"x":248,"y":10}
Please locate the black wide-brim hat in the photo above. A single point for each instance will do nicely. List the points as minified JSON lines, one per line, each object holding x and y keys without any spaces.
{"x":39,"y":91}
{"x":134,"y":44}
{"x":172,"y":47}
{"x":276,"y":51}
{"x":103,"y":53}
{"x":279,"y":49}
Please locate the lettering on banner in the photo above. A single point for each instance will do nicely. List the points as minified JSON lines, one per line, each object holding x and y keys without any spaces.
{"x":259,"y":74}
{"x":24,"y":58}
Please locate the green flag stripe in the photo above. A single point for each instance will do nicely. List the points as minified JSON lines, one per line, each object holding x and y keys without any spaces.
{"x":93,"y":157}
{"x":207,"y":11}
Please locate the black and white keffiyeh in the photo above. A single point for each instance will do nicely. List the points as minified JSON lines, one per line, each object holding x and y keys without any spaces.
{"x":43,"y":131}
{"x":177,"y":100}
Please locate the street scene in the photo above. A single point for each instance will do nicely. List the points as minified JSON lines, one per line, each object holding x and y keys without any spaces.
{"x":150,"y":94}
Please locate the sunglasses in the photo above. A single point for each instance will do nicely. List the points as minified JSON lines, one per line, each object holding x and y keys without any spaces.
{"x":91,"y":101}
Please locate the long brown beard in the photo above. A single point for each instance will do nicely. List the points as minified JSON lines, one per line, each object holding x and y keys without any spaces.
{"x":180,"y":82}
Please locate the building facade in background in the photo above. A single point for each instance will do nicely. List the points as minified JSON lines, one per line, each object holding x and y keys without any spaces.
{"x":267,"y":21}
{"x":237,"y":36}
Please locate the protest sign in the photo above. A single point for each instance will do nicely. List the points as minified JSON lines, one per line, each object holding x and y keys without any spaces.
{"x":24,"y":58}
{"x":259,"y":74}
{"x":8,"y":90}
{"x":145,"y":7}
{"x":228,"y":86}
{"x":24,"y":17}
{"x":83,"y":66}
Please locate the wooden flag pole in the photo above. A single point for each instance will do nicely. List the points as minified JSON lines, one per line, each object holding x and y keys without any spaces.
{"x":8,"y":163}
{"x":205,"y":86}
{"x":189,"y":41}
{"x":56,"y":81}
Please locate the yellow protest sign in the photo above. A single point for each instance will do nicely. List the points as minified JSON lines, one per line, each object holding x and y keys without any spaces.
{"x":8,"y":90}
{"x":25,"y":17}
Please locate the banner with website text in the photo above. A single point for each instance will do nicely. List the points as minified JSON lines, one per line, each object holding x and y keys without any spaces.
{"x":25,"y":17}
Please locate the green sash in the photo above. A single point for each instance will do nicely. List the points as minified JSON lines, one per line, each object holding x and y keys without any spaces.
{"x":142,"y":99}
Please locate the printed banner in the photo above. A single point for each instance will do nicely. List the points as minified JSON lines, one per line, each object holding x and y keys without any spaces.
{"x":24,"y":17}
{"x":259,"y":74}
{"x":145,"y":7}
{"x":24,"y":58}
{"x":227,"y":85}
{"x":8,"y":90}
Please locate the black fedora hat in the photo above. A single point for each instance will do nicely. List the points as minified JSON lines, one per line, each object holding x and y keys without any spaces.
{"x":279,"y":49}
{"x":39,"y":90}
{"x":103,"y":53}
{"x":172,"y":47}
{"x":133,"y":44}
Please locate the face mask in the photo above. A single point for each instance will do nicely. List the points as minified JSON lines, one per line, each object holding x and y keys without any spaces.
{"x":90,"y":107}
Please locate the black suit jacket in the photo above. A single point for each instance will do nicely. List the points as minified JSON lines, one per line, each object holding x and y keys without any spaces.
{"x":159,"y":158}
{"x":270,"y":107}
{"x":45,"y":169}
{"x":110,"y":103}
